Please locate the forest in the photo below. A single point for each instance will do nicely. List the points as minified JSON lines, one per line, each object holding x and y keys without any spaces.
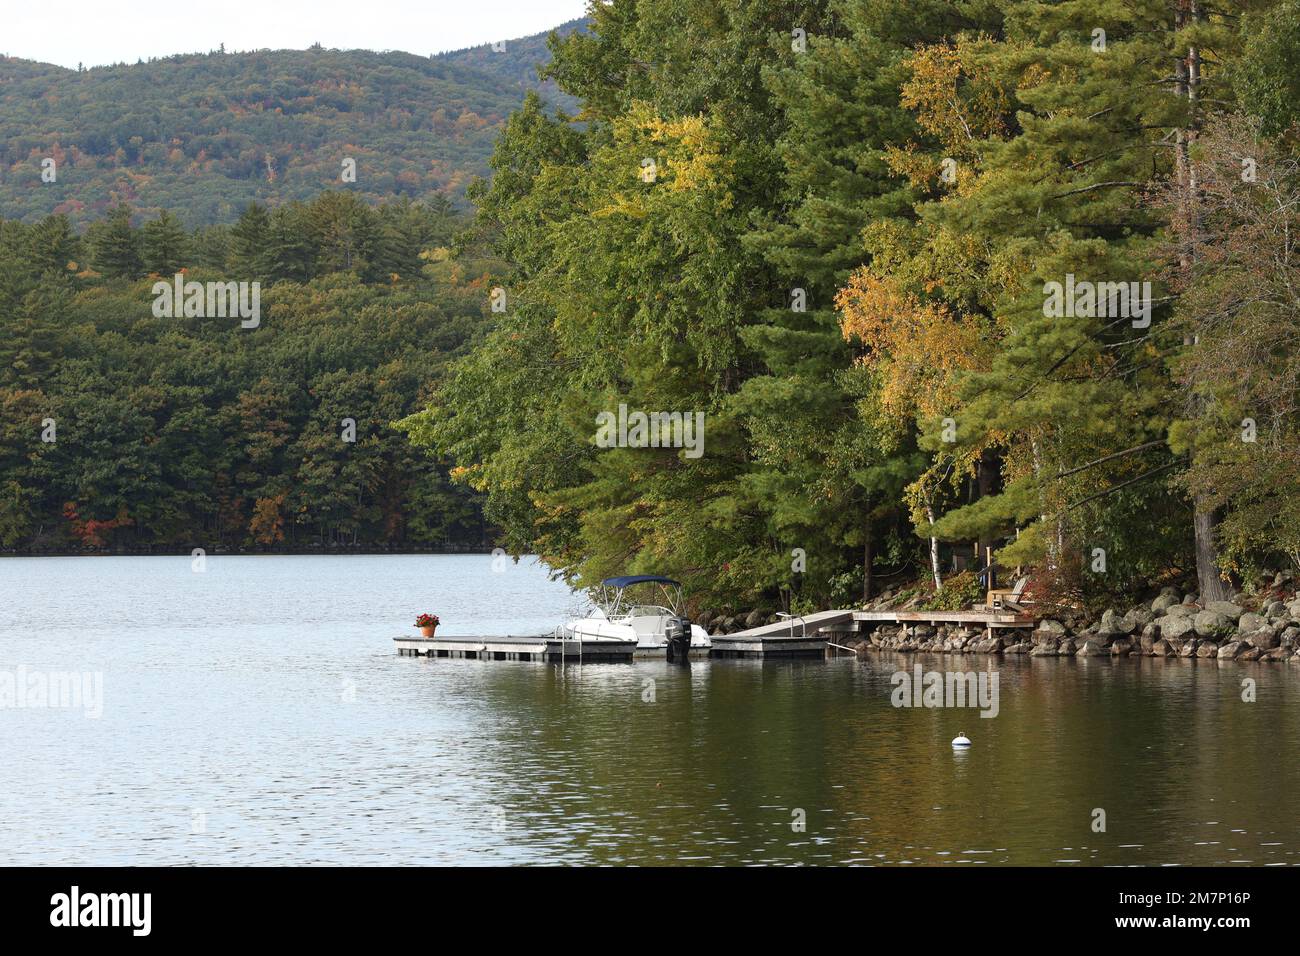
{"x":939,"y":280}
{"x":202,"y":135}
{"x":832,"y":227}
{"x":120,"y":430}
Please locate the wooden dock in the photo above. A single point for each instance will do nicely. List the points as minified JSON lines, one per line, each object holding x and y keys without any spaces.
{"x":542,"y":647}
{"x":809,"y":636}
{"x":795,"y":637}
{"x":986,"y":619}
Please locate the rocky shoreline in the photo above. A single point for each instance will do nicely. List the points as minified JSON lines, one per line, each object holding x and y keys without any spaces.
{"x":1264,"y":626}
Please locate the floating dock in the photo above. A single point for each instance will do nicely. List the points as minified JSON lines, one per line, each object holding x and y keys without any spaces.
{"x":661,"y":653}
{"x":794,"y":637}
{"x":543,"y":647}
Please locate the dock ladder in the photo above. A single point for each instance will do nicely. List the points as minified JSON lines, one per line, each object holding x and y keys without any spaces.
{"x":570,"y":644}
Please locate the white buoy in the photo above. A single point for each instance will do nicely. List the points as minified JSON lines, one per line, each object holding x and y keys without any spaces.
{"x":960,"y":742}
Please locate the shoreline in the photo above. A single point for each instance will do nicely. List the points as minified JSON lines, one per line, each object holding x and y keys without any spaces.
{"x":1261,"y":626}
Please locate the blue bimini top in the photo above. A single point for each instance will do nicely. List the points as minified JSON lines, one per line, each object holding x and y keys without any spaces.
{"x":631,"y":579}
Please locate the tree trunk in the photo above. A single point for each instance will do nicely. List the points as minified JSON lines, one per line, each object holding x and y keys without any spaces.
{"x":1055,"y":542}
{"x":1210,"y":583}
{"x":1188,"y":72}
{"x":985,"y":472}
{"x":934,"y":552}
{"x":866,"y":561}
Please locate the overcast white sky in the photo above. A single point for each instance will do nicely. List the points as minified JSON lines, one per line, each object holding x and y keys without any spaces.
{"x":97,"y":32}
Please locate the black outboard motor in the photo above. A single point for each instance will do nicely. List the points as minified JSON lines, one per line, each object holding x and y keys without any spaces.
{"x":678,"y":633}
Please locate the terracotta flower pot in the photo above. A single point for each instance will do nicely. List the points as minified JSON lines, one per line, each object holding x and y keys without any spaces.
{"x":428,"y":631}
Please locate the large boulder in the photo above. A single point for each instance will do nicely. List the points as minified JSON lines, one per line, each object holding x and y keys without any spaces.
{"x":1091,"y":648}
{"x":1228,"y":609}
{"x":1162,"y":603}
{"x":1111,"y":624}
{"x":1290,"y":635}
{"x":1189,"y":648}
{"x":1137,"y":619}
{"x":754,"y":618}
{"x":1162,"y":648}
{"x":1181,"y":610}
{"x":1274,"y":610}
{"x":1249,"y":622}
{"x":1249,"y":654}
{"x":1210,"y":623}
{"x":1147,"y":640}
{"x":1207,"y":649}
{"x":1230,"y":650}
{"x":1266,"y":638}
{"x":1045,"y":648}
{"x":1179,"y":626}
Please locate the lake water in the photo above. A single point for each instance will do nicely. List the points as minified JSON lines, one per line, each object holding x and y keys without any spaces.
{"x":257,"y":713}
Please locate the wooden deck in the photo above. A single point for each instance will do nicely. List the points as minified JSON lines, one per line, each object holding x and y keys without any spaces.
{"x":986,"y":619}
{"x":796,"y":637}
{"x":808,"y":636}
{"x":542,"y":647}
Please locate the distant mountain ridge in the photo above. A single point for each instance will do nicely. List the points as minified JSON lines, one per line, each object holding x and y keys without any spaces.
{"x":205,"y":134}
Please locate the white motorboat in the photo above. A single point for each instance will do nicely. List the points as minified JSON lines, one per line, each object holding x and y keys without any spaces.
{"x":660,"y":629}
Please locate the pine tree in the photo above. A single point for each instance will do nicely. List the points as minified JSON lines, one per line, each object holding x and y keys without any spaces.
{"x":165,"y":246}
{"x":250,"y":241}
{"x":53,"y":246}
{"x":115,"y":245}
{"x":289,"y":250}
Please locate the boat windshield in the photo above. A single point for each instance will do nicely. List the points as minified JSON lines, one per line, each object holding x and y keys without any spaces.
{"x":619,"y":602}
{"x":648,"y":610}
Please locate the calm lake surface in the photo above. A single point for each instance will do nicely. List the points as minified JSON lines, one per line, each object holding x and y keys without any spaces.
{"x":257,"y":713}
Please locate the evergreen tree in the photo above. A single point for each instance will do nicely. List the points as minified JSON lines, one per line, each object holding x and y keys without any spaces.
{"x":250,"y":243}
{"x":164,"y":245}
{"x":290,"y":253}
{"x":53,"y":246}
{"x":115,"y":245}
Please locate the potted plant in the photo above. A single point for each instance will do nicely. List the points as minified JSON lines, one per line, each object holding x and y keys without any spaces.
{"x":427,"y":623}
